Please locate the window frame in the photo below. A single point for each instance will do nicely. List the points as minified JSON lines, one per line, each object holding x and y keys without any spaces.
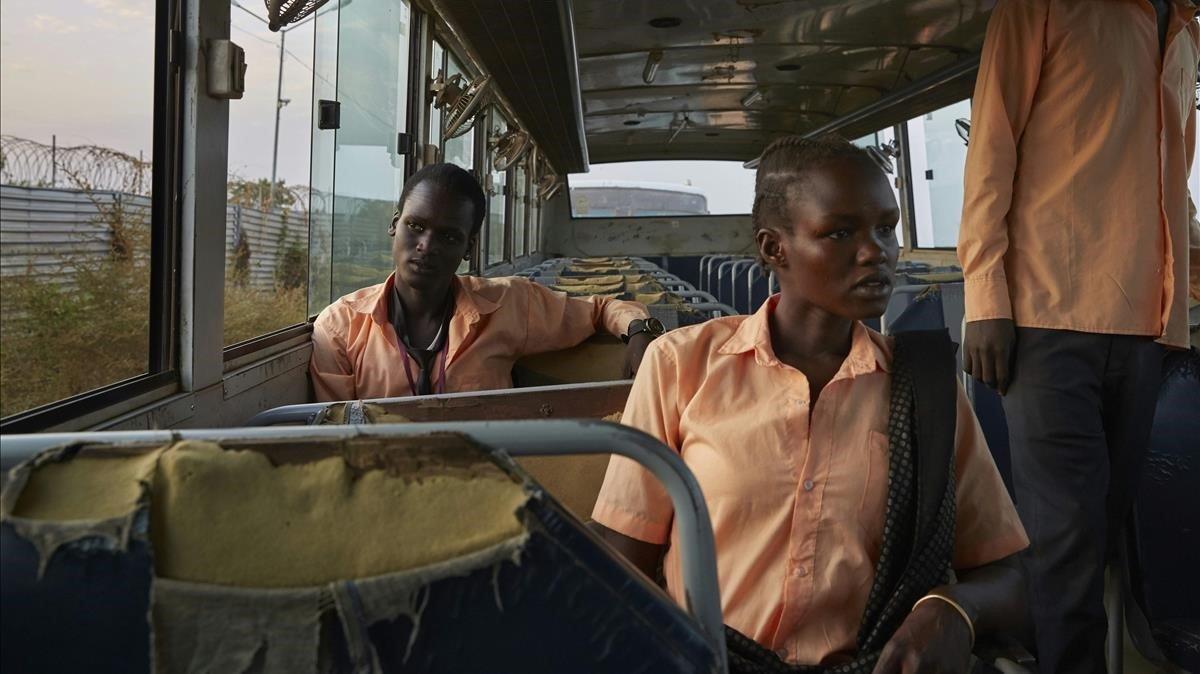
{"x":504,"y":192}
{"x":914,"y":243}
{"x":166,"y":208}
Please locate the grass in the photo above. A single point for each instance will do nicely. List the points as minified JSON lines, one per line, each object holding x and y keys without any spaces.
{"x":90,"y":327}
{"x":60,"y":340}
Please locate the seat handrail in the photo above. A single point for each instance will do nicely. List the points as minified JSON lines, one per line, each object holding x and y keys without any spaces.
{"x":738,"y":267}
{"x":511,"y":438}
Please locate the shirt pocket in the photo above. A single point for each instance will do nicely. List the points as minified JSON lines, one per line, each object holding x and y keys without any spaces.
{"x":872,"y":507}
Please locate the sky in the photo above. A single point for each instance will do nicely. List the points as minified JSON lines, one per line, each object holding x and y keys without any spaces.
{"x":82,"y":70}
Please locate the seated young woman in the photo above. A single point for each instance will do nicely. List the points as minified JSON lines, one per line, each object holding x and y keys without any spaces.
{"x":428,"y":330}
{"x":783,"y":417}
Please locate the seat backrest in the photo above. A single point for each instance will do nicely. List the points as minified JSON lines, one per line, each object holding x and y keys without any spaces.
{"x":1166,"y":522}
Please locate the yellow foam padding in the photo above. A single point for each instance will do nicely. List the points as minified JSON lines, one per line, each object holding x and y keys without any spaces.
{"x":230,"y":517}
{"x":600,"y":263}
{"x":233,"y":518}
{"x":608,"y":289}
{"x":573,"y":269}
{"x":589,"y":280}
{"x":86,"y":488}
{"x":657,"y":298}
{"x":645,"y":288}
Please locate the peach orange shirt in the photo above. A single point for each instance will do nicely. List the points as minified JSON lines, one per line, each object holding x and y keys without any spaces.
{"x":1076,"y":209}
{"x":796,"y":493}
{"x":356,"y":354}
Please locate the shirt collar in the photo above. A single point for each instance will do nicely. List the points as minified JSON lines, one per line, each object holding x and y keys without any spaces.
{"x":867,"y":353}
{"x":374,"y":301}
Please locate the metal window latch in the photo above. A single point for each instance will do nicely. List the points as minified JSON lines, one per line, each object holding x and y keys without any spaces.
{"x":226,"y":69}
{"x":329,"y":114}
{"x":404,"y":143}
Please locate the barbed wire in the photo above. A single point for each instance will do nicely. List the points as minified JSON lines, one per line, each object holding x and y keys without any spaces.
{"x":32,"y":164}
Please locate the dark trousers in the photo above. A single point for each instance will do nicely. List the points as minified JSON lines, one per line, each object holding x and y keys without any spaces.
{"x":1079,"y":411}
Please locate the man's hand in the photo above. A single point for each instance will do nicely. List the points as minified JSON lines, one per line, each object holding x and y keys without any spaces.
{"x":634,"y":351}
{"x":933,"y":639}
{"x":988,"y":348}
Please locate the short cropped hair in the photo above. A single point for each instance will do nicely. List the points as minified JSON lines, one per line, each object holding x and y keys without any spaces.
{"x":453,"y":179}
{"x":782,"y":172}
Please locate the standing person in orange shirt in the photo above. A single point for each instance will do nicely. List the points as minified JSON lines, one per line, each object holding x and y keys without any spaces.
{"x":427,"y":330}
{"x":1075,"y":247}
{"x":783,"y":417}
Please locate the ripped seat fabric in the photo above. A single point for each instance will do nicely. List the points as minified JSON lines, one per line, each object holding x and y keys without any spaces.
{"x":359,"y":555}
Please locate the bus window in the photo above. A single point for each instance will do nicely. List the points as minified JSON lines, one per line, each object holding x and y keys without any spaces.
{"x":460,"y":150}
{"x":497,"y":196}
{"x":266,"y":219}
{"x":520,"y":245}
{"x":885,"y":138}
{"x":77,"y":129}
{"x":662,"y":188}
{"x":370,"y":45}
{"x":937,"y":157}
{"x":437,"y":64}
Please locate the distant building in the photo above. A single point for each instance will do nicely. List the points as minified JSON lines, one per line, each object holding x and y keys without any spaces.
{"x":634,"y":198}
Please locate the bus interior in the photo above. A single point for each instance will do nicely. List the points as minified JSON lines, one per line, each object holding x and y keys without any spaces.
{"x":186,"y":184}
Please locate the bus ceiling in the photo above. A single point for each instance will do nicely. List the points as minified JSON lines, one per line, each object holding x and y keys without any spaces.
{"x":678,"y":79}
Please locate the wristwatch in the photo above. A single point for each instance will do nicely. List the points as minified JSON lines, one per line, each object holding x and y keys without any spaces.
{"x":650,"y":325}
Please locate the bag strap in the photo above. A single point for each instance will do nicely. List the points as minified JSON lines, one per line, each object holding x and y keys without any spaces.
{"x":929,"y":360}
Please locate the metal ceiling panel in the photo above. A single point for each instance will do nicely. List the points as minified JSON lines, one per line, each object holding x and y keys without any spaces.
{"x":528,"y":48}
{"x":854,"y":66}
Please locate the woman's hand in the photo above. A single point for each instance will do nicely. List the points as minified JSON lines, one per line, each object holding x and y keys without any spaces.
{"x":934,"y":639}
{"x":634,"y":351}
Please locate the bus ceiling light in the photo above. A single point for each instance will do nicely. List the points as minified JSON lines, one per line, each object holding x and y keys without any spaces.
{"x":751,"y":98}
{"x":651,"y":69}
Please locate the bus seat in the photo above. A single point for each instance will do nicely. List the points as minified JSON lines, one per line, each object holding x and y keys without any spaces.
{"x":439,"y":559}
{"x":931,"y":307}
{"x":1165,"y":532}
{"x":598,"y":358}
{"x":589,"y":280}
{"x":583,"y":290}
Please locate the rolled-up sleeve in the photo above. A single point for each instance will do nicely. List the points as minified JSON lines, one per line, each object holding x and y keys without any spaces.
{"x":1009,"y":70}
{"x":329,"y":367}
{"x":987,"y":527}
{"x":556,"y":320}
{"x":632,"y":501}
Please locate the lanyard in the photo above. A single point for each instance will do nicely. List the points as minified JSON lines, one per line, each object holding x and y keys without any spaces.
{"x":440,"y":385}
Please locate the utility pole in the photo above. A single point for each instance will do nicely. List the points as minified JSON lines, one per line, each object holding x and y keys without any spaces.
{"x":279,"y":103}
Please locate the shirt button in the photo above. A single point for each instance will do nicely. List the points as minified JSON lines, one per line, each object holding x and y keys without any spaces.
{"x":800,"y":572}
{"x":808,"y":485}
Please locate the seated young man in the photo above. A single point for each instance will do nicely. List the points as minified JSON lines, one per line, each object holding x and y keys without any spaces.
{"x":783,"y":417}
{"x":427,"y":330}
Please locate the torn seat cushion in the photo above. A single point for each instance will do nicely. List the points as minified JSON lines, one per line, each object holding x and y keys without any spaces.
{"x":358,"y":554}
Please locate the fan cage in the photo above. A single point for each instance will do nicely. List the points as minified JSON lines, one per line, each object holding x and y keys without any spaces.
{"x":282,"y":12}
